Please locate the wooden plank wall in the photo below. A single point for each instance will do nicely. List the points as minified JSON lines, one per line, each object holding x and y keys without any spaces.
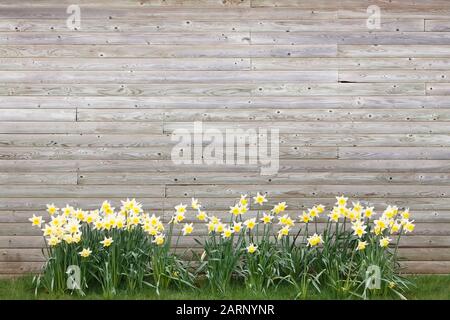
{"x":87,"y":115}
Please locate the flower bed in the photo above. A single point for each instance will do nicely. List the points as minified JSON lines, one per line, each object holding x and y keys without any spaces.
{"x":127,"y":249}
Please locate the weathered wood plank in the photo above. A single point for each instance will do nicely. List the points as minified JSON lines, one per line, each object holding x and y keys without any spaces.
{"x":134,"y":4}
{"x":289,"y":191}
{"x":50,"y":191}
{"x":149,"y":153}
{"x":198,"y":178}
{"x":238,"y":89}
{"x":167,"y":51}
{"x":394,"y":76}
{"x":80,"y":127}
{"x":17,"y":268}
{"x":289,"y":140}
{"x":114,"y":166}
{"x":37,"y":178}
{"x":22,"y":242}
{"x":426,"y":267}
{"x":353,"y":38}
{"x":320,"y":127}
{"x":354,"y":63}
{"x":19,"y":255}
{"x":122,"y":38}
{"x":193,"y":25}
{"x":266,"y":114}
{"x":412,"y":50}
{"x":442,"y":89}
{"x":226,"y":102}
{"x":111,"y":64}
{"x":39,"y":204}
{"x":437,"y":25}
{"x":100,"y":12}
{"x":427,"y":153}
{"x":144,"y":77}
{"x":38,"y":115}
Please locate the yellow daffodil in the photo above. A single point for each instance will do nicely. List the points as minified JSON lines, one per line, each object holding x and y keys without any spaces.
{"x":251,"y":248}
{"x":361,"y":245}
{"x":107,"y":242}
{"x":381,"y":224}
{"x":154,"y":220}
{"x":227,"y":232}
{"x":377,"y":230}
{"x":343,"y":211}
{"x":409,"y":226}
{"x":98,"y":225}
{"x":267,"y":218}
{"x":280,"y":207}
{"x":211,"y":226}
{"x":334,"y":216}
{"x":73,"y":226}
{"x":48,"y":230}
{"x":313,"y":213}
{"x":285,"y":220}
{"x":85,"y":252}
{"x":395,"y":228}
{"x":120,"y":223}
{"x":126,"y":205}
{"x":68,"y":238}
{"x":215,"y":220}
{"x":320,"y":208}
{"x":250,"y":223}
{"x":201,"y":215}
{"x":368,"y":212}
{"x":237,"y":226}
{"x":220,"y":227}
{"x":57,"y":221}
{"x":306,"y":218}
{"x":67,"y":211}
{"x":188,"y":228}
{"x":405,"y":214}
{"x":80,"y":215}
{"x":243,"y":201}
{"x":384,"y":242}
{"x":259,"y":199}
{"x":357,"y":207}
{"x":179,"y":217}
{"x":359,"y":229}
{"x":53,"y":241}
{"x":243,"y":209}
{"x":159,"y":239}
{"x":106,"y":208}
{"x":36,"y":221}
{"x":284,"y":231}
{"x":180,"y":209}
{"x":194,"y":204}
{"x":314,"y":240}
{"x":76,"y":237}
{"x":52,"y":209}
{"x":235,"y":210}
{"x":341,"y":201}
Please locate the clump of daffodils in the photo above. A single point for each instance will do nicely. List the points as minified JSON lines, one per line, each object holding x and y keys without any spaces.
{"x":66,"y":225}
{"x":127,"y":241}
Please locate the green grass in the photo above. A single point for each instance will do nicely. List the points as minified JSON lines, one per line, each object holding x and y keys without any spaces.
{"x":427,"y":287}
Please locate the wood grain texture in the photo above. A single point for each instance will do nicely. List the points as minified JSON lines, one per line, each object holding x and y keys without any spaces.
{"x":89,"y":114}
